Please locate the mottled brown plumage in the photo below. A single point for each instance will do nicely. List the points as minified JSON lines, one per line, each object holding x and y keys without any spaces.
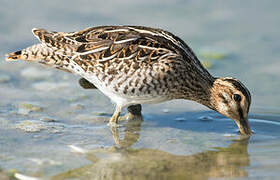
{"x":135,"y":65}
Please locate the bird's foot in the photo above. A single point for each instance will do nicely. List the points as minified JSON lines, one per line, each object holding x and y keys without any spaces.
{"x":135,"y":109}
{"x":134,"y":112}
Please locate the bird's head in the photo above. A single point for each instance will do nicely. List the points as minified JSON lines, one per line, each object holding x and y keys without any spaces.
{"x":232,"y":99}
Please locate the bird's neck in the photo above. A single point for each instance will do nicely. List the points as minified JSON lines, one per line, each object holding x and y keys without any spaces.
{"x":199,"y":88}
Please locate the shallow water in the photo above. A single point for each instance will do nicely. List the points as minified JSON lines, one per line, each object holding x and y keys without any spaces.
{"x":51,"y":128}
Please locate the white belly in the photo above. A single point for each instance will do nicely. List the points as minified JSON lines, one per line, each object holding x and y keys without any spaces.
{"x":123,"y":100}
{"x":120,"y":99}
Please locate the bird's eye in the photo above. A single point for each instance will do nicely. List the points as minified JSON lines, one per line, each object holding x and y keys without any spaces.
{"x":237,"y":97}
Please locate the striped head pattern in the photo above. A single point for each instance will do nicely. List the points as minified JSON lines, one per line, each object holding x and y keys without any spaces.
{"x":232,"y":99}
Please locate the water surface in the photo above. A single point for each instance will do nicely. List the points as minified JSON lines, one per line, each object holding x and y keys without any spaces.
{"x":52,"y":128}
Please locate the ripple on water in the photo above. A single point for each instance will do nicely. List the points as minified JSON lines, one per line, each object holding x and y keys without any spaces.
{"x":265,"y":125}
{"x":265,"y":121}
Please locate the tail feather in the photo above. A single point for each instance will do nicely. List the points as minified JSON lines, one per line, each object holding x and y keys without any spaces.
{"x":54,"y":50}
{"x":44,"y":36}
{"x":14,"y":56}
{"x":55,"y":39}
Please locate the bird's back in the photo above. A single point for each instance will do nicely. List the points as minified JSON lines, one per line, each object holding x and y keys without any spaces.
{"x":123,"y":61}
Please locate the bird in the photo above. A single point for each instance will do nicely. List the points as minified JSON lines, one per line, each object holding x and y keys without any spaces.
{"x":135,"y":65}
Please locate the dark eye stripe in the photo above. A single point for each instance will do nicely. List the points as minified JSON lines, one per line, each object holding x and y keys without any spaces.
{"x":240,"y":112}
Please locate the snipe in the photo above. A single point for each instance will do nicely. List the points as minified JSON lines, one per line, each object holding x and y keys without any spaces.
{"x":137,"y":65}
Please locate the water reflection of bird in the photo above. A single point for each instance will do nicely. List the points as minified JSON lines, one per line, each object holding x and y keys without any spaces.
{"x":125,"y":162}
{"x":138,"y":65}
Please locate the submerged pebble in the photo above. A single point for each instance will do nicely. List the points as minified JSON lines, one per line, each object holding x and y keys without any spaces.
{"x":30,"y":126}
{"x":26,"y":108}
{"x":29,"y":106}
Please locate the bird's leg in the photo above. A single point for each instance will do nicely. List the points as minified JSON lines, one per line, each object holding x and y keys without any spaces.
{"x":131,"y":133}
{"x":114,"y":119}
{"x":134,"y":111}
